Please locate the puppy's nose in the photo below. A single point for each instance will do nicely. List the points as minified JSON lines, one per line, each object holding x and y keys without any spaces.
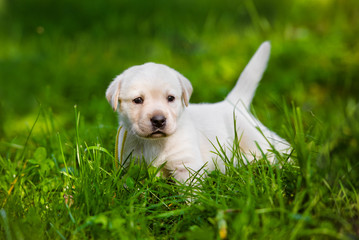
{"x":158,"y":121}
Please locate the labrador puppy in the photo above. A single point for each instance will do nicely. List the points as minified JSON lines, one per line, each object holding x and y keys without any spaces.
{"x":159,"y":126}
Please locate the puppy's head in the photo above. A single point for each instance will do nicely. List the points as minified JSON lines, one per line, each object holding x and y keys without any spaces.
{"x":150,"y":98}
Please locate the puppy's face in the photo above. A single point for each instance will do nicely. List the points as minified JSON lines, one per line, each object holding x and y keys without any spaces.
{"x":150,"y":99}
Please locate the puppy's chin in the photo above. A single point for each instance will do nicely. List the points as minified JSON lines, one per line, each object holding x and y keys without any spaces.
{"x":149,"y":132}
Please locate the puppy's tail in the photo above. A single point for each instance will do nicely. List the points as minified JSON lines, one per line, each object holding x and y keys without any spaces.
{"x":245,"y":88}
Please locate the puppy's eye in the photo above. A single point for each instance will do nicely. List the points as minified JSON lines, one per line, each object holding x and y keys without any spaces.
{"x":138,"y":100}
{"x":170,"y":98}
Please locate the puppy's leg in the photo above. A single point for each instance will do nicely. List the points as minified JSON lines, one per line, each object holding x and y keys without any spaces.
{"x":184,"y":173}
{"x":186,"y":168}
{"x":181,"y":174}
{"x":189,"y":174}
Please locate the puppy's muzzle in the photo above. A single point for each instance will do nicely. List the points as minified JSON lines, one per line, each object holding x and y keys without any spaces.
{"x":158,"y":122}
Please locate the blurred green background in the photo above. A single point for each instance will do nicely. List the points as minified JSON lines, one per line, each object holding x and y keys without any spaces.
{"x":57,"y":54}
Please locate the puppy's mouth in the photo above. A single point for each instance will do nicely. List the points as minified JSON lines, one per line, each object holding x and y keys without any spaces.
{"x":157,"y":134}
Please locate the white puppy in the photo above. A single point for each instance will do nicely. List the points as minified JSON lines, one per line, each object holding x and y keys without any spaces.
{"x":158,"y":125}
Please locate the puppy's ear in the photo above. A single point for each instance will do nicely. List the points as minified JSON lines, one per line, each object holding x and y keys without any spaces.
{"x":186,"y":88}
{"x":113,"y":91}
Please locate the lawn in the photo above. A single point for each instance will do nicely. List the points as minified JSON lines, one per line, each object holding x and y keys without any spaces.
{"x":58,"y":176}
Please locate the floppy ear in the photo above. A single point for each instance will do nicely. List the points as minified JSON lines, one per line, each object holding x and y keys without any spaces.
{"x":113,"y":91}
{"x":186,"y":88}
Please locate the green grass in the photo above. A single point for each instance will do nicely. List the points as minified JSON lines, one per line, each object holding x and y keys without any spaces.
{"x":58,"y":177}
{"x":83,"y":195}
